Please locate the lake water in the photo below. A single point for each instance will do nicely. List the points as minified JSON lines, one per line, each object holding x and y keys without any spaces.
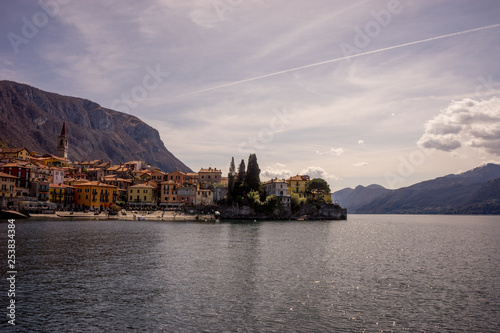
{"x":370,"y":273}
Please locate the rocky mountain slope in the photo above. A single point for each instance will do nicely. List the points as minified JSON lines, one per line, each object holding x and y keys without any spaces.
{"x":33,"y":118}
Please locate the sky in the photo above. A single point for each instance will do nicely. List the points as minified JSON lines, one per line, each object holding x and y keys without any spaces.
{"x":389,"y":92}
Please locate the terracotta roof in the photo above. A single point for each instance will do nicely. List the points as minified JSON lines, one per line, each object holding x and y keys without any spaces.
{"x":209,"y":170}
{"x":298,"y":177}
{"x":141,"y":186}
{"x":6,"y":175}
{"x":13,"y":150}
{"x":13,"y":165}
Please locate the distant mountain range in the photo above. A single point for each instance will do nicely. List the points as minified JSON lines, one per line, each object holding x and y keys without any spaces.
{"x":473,"y":192}
{"x":32,"y":118}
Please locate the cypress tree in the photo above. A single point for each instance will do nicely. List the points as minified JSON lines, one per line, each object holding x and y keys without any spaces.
{"x":231,"y":177}
{"x":252,"y":178}
{"x":240,"y":180}
{"x":241,"y":174}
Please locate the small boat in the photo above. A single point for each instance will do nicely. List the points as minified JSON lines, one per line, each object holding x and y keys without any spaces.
{"x":12,"y":214}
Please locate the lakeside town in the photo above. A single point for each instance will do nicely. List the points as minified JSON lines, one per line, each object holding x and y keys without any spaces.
{"x":36,"y":184}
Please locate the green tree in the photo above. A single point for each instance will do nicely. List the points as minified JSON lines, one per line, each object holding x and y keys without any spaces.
{"x":321,"y":189}
{"x":252,"y":178}
{"x":296,"y":202}
{"x":239,"y":185}
{"x":231,"y":176}
{"x":318,"y":184}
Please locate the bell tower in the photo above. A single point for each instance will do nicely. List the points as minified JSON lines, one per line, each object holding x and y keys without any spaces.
{"x":62,"y":145}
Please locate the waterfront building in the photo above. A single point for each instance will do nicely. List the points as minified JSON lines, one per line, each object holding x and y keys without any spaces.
{"x":219,"y":192}
{"x":56,"y":194}
{"x":210,"y":176}
{"x":7,"y":185}
{"x":94,"y":194}
{"x":39,"y":189}
{"x":187,"y":194}
{"x":22,"y":173}
{"x":142,"y":195}
{"x":278,"y":188}
{"x":204,"y":197}
{"x":169,"y":197}
{"x":297,"y":184}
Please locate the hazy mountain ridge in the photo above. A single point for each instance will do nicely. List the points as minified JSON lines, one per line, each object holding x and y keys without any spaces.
{"x":33,"y":118}
{"x":476,"y":191}
{"x":353,"y":199}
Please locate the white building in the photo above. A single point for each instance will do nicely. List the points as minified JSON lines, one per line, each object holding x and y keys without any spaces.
{"x":278,"y":188}
{"x":57,"y":176}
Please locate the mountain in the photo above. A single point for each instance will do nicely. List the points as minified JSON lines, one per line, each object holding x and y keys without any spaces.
{"x":486,"y":200}
{"x":463,"y":193}
{"x":352,"y":199}
{"x":33,"y":118}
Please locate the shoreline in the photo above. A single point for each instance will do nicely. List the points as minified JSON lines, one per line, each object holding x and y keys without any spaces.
{"x":130,"y":216}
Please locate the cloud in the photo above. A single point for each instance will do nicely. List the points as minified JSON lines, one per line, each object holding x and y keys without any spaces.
{"x":360,"y":164}
{"x":360,"y":142}
{"x":465,"y":123}
{"x":317,"y":172}
{"x":331,"y":151}
{"x":276,"y":172}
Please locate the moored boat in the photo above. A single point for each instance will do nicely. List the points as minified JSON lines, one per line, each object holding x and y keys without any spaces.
{"x":12,"y":214}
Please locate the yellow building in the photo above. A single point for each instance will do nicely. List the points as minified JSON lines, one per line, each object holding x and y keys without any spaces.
{"x":95,"y":195}
{"x":7,"y":185}
{"x":204,"y":197}
{"x":320,"y":195}
{"x":297,"y":184}
{"x":142,"y":195}
{"x":52,"y":160}
{"x":62,"y":195}
{"x":17,"y":153}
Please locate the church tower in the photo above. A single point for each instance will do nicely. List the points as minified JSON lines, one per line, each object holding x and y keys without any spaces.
{"x":62,"y":146}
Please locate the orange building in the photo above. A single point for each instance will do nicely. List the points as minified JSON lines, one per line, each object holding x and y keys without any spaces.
{"x":95,"y":195}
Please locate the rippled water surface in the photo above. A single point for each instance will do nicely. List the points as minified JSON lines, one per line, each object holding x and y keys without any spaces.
{"x":369,"y":273}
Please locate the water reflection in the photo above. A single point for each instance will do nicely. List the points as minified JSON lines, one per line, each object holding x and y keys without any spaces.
{"x":371,"y":272}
